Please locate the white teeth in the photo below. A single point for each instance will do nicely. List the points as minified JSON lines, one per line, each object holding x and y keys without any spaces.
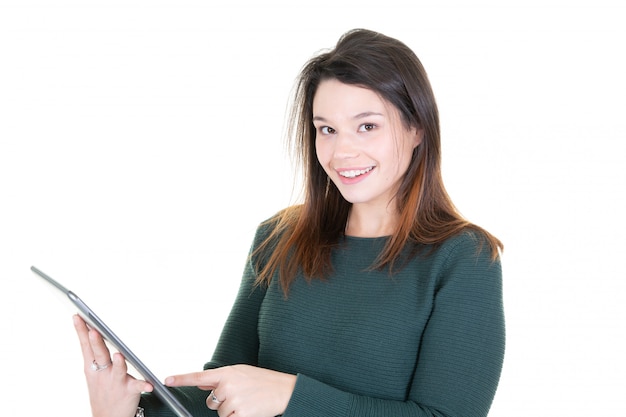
{"x":355,"y":173}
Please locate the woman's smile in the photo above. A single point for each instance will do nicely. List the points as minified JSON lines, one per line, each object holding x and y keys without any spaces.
{"x":351,"y":174}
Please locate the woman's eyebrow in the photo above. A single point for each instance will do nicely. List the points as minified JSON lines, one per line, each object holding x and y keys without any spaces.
{"x":358,"y":116}
{"x":367,"y":114}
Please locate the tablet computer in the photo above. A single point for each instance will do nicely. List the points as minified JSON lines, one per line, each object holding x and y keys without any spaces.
{"x":95,"y":322}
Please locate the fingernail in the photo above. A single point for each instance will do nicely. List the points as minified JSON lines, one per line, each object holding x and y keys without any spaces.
{"x":169,"y":380}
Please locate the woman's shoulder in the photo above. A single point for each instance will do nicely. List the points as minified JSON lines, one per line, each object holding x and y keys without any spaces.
{"x":272,"y":228}
{"x":471,"y":244}
{"x":468,"y":237}
{"x":278,"y":221}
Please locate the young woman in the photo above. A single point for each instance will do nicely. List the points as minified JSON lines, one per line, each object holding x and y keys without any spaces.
{"x":372,"y":298}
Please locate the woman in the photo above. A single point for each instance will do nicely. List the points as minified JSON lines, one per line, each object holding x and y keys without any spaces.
{"x":372,"y":298}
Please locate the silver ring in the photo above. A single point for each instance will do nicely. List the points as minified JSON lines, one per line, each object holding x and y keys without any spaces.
{"x":96,"y":367}
{"x":214,"y":398}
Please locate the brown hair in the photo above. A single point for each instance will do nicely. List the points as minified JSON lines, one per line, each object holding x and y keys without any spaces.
{"x":303,"y":235}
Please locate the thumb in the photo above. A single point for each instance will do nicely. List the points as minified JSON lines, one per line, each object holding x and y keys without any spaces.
{"x":142,"y":386}
{"x":135,"y":385}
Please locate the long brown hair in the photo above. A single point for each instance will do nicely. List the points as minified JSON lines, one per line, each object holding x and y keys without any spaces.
{"x":303,"y":236}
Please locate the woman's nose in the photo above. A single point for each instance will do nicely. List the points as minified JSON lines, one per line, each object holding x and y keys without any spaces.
{"x":345,"y":146}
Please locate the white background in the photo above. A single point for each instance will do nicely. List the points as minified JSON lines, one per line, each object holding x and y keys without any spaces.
{"x":141,"y":144}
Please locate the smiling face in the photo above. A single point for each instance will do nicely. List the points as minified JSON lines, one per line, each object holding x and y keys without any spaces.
{"x":361,"y":143}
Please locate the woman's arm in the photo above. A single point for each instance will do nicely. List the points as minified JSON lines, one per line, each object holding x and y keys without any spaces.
{"x":238,"y":344}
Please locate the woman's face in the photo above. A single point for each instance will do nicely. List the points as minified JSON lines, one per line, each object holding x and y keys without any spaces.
{"x":361,"y":142}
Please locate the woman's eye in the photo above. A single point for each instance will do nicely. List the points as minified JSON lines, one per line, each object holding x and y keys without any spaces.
{"x":326,"y":130}
{"x":366,"y":127}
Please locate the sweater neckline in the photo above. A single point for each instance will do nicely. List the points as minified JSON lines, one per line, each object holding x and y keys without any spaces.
{"x":366,"y":239}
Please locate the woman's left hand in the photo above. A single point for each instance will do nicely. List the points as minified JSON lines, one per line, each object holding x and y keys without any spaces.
{"x":244,"y":389}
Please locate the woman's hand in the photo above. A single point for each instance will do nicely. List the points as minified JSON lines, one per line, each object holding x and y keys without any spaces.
{"x":112,"y":392}
{"x":241,"y":390}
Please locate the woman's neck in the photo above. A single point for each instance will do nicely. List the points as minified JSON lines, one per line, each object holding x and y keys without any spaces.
{"x":368,"y":222}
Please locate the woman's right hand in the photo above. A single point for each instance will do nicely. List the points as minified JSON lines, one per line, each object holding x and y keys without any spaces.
{"x":112,"y":391}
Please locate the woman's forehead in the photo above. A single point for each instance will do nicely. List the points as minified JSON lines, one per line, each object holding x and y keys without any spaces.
{"x":333,"y":97}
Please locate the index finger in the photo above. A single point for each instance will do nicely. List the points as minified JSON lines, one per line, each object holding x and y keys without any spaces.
{"x":208,"y":379}
{"x":83,"y":336}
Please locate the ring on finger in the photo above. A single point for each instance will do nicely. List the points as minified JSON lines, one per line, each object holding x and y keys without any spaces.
{"x":96,"y":367}
{"x":214,"y":398}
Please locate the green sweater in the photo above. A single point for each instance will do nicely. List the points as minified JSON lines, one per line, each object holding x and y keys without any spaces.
{"x":427,"y":341}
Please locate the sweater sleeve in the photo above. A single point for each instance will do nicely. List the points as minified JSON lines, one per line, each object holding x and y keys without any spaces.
{"x":238,"y":344}
{"x":239,"y":341}
{"x":461,"y":353}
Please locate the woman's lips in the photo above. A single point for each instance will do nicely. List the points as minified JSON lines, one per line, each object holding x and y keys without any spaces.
{"x":349,"y":176}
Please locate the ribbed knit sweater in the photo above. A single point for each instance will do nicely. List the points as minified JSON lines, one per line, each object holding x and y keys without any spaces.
{"x":426,"y":341}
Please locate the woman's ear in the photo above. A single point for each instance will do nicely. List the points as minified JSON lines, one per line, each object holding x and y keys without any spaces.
{"x":418,"y":136}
